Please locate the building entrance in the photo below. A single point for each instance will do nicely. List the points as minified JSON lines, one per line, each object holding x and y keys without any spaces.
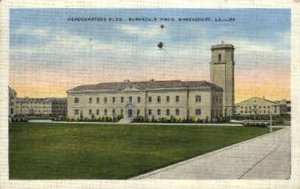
{"x":130,"y":113}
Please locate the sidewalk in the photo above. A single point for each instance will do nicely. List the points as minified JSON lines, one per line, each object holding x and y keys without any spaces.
{"x":264,"y":157}
{"x":148,"y":123}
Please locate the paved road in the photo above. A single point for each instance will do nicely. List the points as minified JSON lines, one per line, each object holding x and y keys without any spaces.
{"x":265,"y":157}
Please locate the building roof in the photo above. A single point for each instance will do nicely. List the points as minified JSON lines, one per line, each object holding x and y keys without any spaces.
{"x":146,"y":85}
{"x":222,"y":46}
{"x":256,"y":98}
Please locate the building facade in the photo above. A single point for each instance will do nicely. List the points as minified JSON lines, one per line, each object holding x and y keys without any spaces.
{"x":12,"y":101}
{"x":33,"y":106}
{"x":261,"y":106}
{"x":58,"y":106}
{"x":149,"y":99}
{"x":222,"y":74}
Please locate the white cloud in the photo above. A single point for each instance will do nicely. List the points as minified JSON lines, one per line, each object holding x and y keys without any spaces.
{"x":36,"y":32}
{"x":140,"y":31}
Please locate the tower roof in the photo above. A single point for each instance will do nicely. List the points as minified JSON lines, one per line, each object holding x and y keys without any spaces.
{"x":222,"y":46}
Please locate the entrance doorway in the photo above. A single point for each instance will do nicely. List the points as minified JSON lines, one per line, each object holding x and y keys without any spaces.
{"x":130,"y":113}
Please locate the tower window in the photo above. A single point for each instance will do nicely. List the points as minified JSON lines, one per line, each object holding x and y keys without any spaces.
{"x":219,"y":57}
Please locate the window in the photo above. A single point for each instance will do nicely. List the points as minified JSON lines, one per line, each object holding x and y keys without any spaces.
{"x":90,"y":100}
{"x":105,"y":112}
{"x":219,"y":57}
{"x":138,"y":112}
{"x":122,"y":112}
{"x":198,"y":98}
{"x":158,"y":111}
{"x":198,"y":111}
{"x":130,"y":99}
{"x":113,"y":99}
{"x":149,"y":112}
{"x":259,"y":106}
{"x":177,"y":98}
{"x":242,"y":111}
{"x":138,"y":99}
{"x":76,"y":100}
{"x":76,"y":112}
{"x":168,"y":99}
{"x":177,"y":112}
{"x":98,"y":100}
{"x":105,"y":100}
{"x":269,"y":107}
{"x":168,"y":112}
{"x":149,"y":99}
{"x":97,"y":112}
{"x":113,"y":112}
{"x":158,"y":99}
{"x":122,"y":99}
{"x":90,"y":111}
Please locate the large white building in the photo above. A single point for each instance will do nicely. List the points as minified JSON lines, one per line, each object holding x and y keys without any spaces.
{"x":191,"y":99}
{"x":180,"y":99}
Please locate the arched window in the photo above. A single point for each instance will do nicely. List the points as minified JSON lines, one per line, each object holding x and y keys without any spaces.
{"x":219,"y":57}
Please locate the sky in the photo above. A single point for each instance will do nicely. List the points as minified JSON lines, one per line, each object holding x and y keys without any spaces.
{"x":50,"y":54}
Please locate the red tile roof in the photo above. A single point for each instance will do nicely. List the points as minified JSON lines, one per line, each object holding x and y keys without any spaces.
{"x":146,"y":85}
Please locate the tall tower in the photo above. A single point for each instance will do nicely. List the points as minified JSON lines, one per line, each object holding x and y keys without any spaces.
{"x":222,"y":73}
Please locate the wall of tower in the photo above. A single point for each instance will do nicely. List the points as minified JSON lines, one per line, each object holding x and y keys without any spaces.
{"x":222,"y":74}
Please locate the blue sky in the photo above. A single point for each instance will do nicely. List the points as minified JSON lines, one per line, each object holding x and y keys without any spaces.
{"x":45,"y":45}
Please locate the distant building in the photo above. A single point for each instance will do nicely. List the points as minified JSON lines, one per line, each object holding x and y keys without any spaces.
{"x":158,"y":99}
{"x":261,"y":106}
{"x":33,"y":106}
{"x":58,"y":106}
{"x":288,"y":106}
{"x":12,"y":102}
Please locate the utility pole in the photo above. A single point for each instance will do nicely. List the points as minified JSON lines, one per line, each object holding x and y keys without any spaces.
{"x":271,"y":121}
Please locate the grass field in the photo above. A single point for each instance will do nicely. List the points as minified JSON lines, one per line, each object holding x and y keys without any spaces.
{"x":64,"y":151}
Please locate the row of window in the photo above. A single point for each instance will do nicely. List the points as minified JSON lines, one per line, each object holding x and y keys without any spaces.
{"x":150,"y":112}
{"x":256,"y":112}
{"x":150,"y":99}
{"x":254,"y":107}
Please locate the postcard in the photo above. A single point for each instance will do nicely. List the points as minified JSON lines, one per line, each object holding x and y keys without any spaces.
{"x":149,"y":95}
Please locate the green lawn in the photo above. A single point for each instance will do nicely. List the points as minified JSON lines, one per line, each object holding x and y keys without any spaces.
{"x":64,"y":151}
